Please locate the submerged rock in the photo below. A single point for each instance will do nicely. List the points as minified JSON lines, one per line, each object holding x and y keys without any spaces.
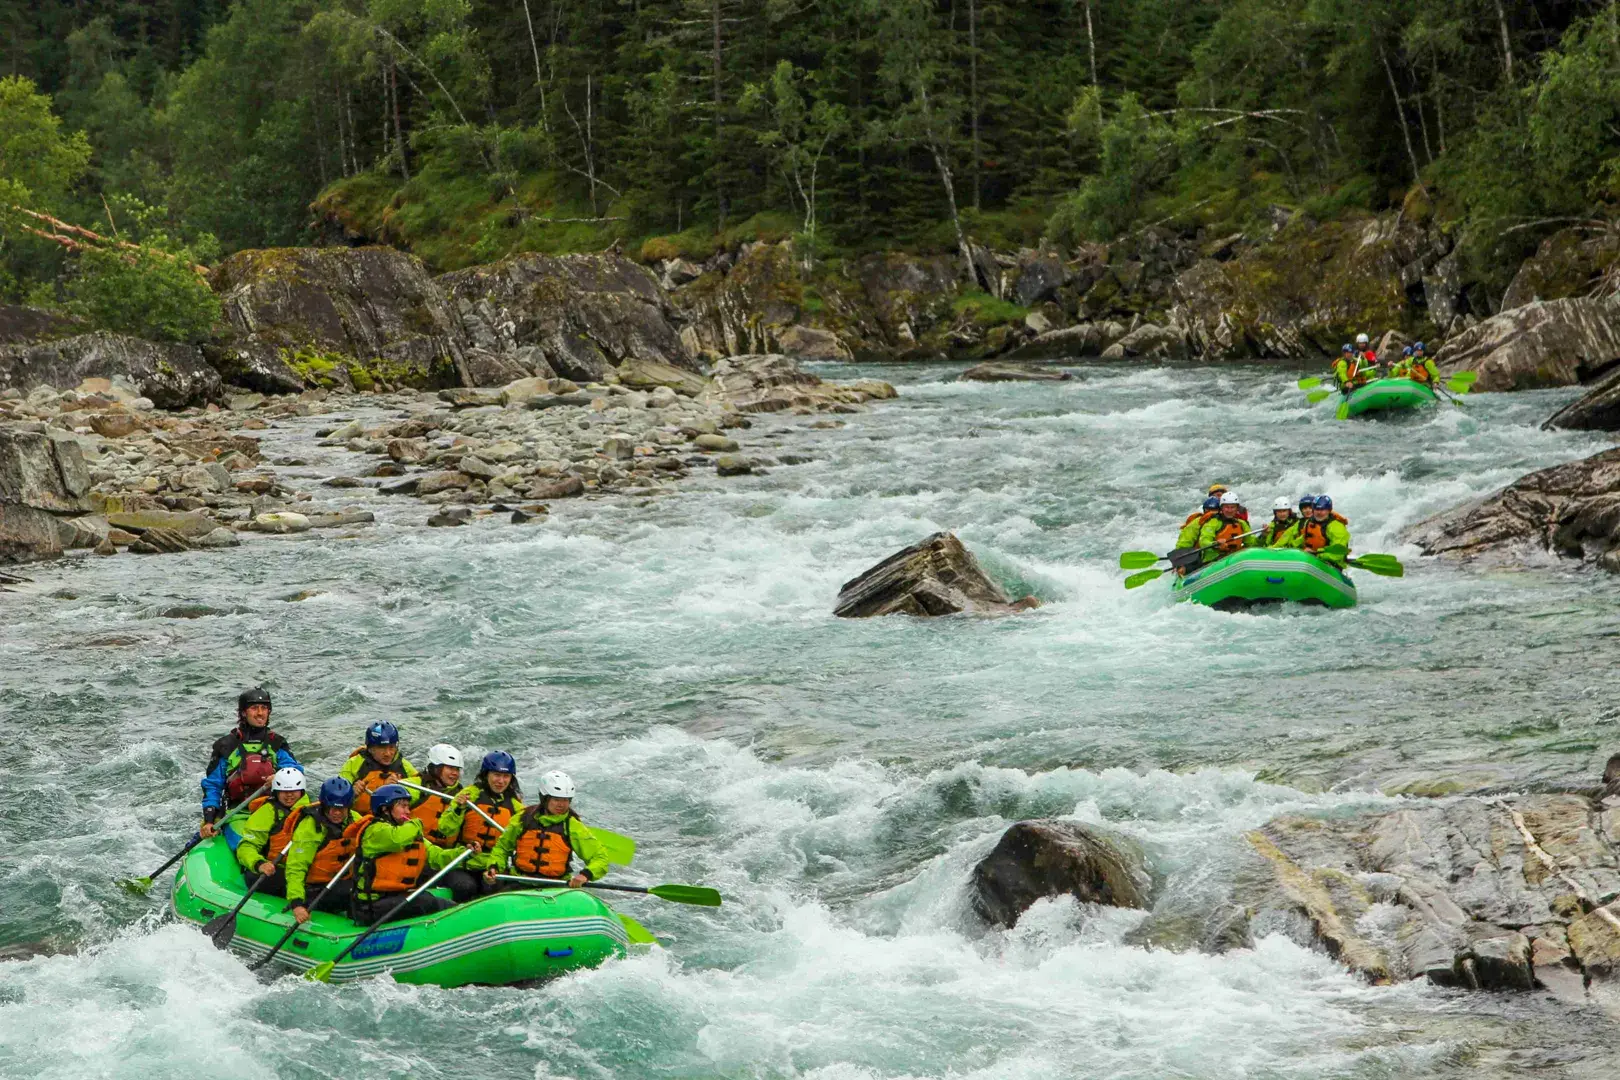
{"x":1572,"y":510}
{"x":935,"y":577}
{"x":1036,"y":859}
{"x":1000,"y":372}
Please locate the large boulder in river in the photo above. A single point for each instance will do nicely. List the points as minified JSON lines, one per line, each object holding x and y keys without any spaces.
{"x":935,"y":577}
{"x":172,"y":376}
{"x":1036,"y":859}
{"x":42,"y":475}
{"x":773,"y":383}
{"x":583,"y":314}
{"x":339,"y":313}
{"x":1546,"y":343}
{"x":1598,"y":410}
{"x":1571,"y":510}
{"x":1003,"y":372}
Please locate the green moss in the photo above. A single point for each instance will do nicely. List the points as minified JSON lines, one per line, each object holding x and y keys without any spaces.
{"x":986,"y":310}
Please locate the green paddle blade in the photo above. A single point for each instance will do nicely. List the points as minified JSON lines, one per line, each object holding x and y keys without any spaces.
{"x":1309,"y":384}
{"x":1459,"y":389}
{"x":320,"y":972}
{"x":687,"y":894}
{"x":136,"y":886}
{"x":1138,"y":580}
{"x":1137,"y":560}
{"x":1383,"y":566}
{"x":618,"y":848}
{"x":639,"y":935}
{"x":1316,"y":397}
{"x":1336,"y":551}
{"x":1465,"y":378}
{"x":1344,"y":410}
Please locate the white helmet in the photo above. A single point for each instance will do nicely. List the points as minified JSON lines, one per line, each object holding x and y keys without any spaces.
{"x":1231,"y":499}
{"x":1281,"y":503}
{"x":445,"y":754}
{"x":1361,"y":339}
{"x":557,"y":784}
{"x":288,"y":779}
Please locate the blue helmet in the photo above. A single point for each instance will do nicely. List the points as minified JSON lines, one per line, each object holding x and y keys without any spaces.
{"x":1407,"y":351}
{"x":1346,"y":349}
{"x":1212,"y":503}
{"x":386,"y":796}
{"x":382,"y":733}
{"x":1307,"y":501}
{"x":1322,"y":502}
{"x":337,"y":792}
{"x":499,"y":761}
{"x":1418,"y":347}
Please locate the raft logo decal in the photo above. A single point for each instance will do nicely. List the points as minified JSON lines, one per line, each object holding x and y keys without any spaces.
{"x":382,"y":944}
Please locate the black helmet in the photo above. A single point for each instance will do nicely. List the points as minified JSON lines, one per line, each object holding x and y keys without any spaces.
{"x":256,"y":695}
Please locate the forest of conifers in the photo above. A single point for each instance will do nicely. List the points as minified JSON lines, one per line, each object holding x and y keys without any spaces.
{"x":466,"y":129}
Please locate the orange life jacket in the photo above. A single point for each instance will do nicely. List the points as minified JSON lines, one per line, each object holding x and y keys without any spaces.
{"x":543,"y":850}
{"x":430,"y":809}
{"x":1227,"y":537}
{"x":395,"y":872}
{"x":373,"y":775}
{"x":1418,"y":370}
{"x":340,"y":842}
{"x":1314,"y":533}
{"x":281,"y":835}
{"x":474,"y":829}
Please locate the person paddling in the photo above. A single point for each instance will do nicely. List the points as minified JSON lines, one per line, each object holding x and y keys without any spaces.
{"x":244,"y":758}
{"x":443,"y":773}
{"x":322,"y":842}
{"x":1348,"y":371}
{"x":375,"y":764}
{"x":497,"y":793}
{"x":1227,"y":531}
{"x":544,"y":840}
{"x":1282,"y":530}
{"x":269,"y":828}
{"x":1188,"y":536}
{"x":1325,"y":529}
{"x":394,"y":858}
{"x":1420,"y":368}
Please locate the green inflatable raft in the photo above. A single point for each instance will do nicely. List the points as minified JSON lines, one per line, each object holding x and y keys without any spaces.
{"x":508,"y":937}
{"x":1267,"y":575}
{"x":1383,"y":394}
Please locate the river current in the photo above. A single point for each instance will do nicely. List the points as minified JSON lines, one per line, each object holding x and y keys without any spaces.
{"x":836,"y":780}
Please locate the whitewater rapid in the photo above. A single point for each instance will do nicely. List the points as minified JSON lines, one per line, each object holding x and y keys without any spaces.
{"x":835,"y":780}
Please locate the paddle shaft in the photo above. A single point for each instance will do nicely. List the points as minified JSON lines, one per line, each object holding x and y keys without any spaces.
{"x":562,"y":883}
{"x":418,"y":891}
{"x":195,"y":840}
{"x":314,"y":901}
{"x":603,"y":835}
{"x":452,"y":798}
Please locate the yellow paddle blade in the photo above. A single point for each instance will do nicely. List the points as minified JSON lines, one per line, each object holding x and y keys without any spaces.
{"x":1137,"y":560}
{"x":1308,"y":384}
{"x":1138,"y":580}
{"x":320,"y":972}
{"x":639,"y":935}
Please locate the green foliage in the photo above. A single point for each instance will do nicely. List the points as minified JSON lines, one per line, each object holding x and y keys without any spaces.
{"x":986,"y":310}
{"x":39,"y":163}
{"x":1135,"y":149}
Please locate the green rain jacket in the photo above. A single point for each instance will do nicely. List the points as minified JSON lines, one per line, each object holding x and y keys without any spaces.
{"x":584,"y":842}
{"x":256,"y":831}
{"x":308,"y":836}
{"x":1188,"y":536}
{"x":455,"y":815}
{"x":1280,"y":534}
{"x":351,"y":770}
{"x":1337,"y":534}
{"x":1206,"y":537}
{"x":384,"y":838}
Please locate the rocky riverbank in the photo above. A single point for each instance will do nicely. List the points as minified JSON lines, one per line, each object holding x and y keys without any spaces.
{"x":100,"y":467}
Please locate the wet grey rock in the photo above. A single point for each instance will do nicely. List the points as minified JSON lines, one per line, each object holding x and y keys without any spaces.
{"x":26,"y":325}
{"x":340,"y":518}
{"x":190,"y":525}
{"x":565,"y":488}
{"x":1069,"y":342}
{"x":1570,"y":510}
{"x":1546,"y":343}
{"x":255,"y":365}
{"x":1000,"y":372}
{"x":219,"y":538}
{"x":27,"y":534}
{"x":172,"y":376}
{"x":449,"y":517}
{"x":159,"y":542}
{"x":41,"y":471}
{"x":733,"y":465}
{"x":434,"y":482}
{"x":1597,"y":410}
{"x":1036,"y":859}
{"x":714,"y":443}
{"x":937,"y":576}
{"x":1037,"y":277}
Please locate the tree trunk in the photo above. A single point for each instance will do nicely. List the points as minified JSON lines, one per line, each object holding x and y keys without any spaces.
{"x":973,"y":92}
{"x":399,"y":123}
{"x":1400,"y":110}
{"x":539,"y":80}
{"x":1507,"y":42}
{"x":1091,"y":46}
{"x":719,"y":124}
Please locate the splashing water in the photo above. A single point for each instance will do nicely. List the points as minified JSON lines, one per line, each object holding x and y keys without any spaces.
{"x":836,"y":780}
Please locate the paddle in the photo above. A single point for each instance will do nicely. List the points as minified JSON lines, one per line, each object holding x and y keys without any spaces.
{"x":1381,"y":565}
{"x":140,"y":886}
{"x":1344,"y":410}
{"x":222,"y":928}
{"x":1309,"y":384}
{"x":1316,"y":397}
{"x":620,"y":850}
{"x":310,"y":907}
{"x":1134,"y":560}
{"x":323,"y":971}
{"x":638,"y":934}
{"x":1136,"y":581}
{"x":700,"y":895}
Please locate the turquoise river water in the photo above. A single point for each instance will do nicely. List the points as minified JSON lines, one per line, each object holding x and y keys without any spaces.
{"x":836,"y":780}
